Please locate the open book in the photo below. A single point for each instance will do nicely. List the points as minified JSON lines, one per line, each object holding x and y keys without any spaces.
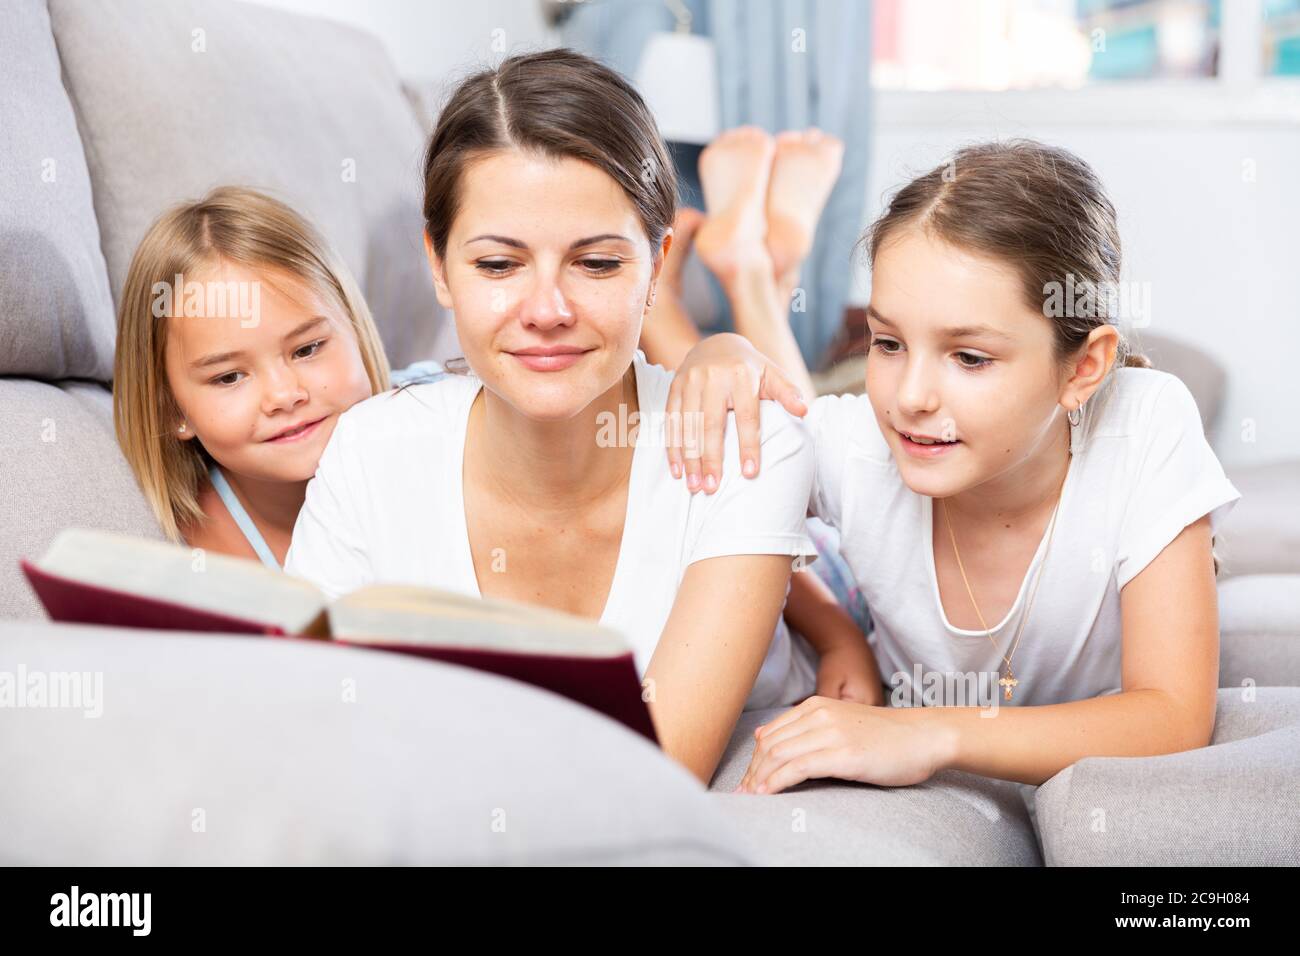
{"x":94,"y":577}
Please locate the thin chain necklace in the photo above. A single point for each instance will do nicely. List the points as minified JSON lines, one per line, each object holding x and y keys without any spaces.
{"x":1009,"y":681}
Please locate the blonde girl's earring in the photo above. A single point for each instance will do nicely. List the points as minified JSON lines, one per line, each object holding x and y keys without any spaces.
{"x":1075,"y":415}
{"x":181,"y":430}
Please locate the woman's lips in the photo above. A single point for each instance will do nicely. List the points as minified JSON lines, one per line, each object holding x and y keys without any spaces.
{"x":302,"y":433}
{"x":917,"y":450}
{"x":549,"y":362}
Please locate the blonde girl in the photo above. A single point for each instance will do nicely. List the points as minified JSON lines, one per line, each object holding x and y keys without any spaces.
{"x":241,"y":339}
{"x":1028,"y":508}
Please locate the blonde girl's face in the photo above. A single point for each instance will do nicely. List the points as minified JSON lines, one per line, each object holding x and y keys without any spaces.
{"x":547,"y":269}
{"x":262,"y":388}
{"x":957,"y":355}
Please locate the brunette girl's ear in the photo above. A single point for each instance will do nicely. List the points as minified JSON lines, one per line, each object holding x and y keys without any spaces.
{"x":436,"y":266}
{"x":1095,"y":358}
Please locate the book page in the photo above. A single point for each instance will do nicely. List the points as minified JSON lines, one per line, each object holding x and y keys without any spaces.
{"x":217,"y":583}
{"x":410,"y":615}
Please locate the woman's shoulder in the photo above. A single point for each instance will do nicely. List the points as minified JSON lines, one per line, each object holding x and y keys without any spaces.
{"x":422,"y":407}
{"x":418,"y":372}
{"x":846,"y":424}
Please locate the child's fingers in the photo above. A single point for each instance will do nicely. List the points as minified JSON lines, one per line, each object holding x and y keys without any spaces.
{"x":780,"y":720}
{"x":744,"y":402}
{"x":717,"y":401}
{"x":692,"y":401}
{"x":673,"y":428}
{"x":792,"y":746}
{"x":776,"y":386}
{"x":806,"y":766}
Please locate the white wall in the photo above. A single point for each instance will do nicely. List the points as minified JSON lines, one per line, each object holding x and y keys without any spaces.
{"x":428,"y":38}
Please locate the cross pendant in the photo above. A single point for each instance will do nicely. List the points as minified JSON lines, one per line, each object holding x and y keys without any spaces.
{"x":1007,"y":683}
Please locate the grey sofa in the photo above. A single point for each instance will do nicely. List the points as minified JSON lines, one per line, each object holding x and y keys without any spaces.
{"x":220,"y":749}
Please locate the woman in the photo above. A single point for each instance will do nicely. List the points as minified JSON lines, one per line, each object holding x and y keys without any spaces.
{"x":549,"y":200}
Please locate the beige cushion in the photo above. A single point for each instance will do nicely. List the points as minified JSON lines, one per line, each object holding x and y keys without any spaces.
{"x":954,"y":819}
{"x":1230,"y":804}
{"x":288,"y":104}
{"x":223,"y":750}
{"x":56,"y":316}
{"x":60,"y":466}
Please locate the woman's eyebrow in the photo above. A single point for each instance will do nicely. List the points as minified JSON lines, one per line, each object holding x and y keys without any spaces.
{"x":518,"y":244}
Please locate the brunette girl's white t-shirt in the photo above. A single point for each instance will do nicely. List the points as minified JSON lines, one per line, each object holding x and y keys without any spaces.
{"x":1145,"y":473}
{"x":387,"y":507}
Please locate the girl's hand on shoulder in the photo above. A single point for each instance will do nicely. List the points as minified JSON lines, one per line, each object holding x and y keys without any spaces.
{"x":886,"y":746}
{"x":722,"y":373}
{"x":849,"y":672}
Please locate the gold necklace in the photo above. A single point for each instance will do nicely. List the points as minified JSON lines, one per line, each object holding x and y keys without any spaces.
{"x":1009,"y":681}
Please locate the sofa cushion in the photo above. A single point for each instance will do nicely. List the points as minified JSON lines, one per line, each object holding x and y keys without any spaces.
{"x":60,"y":465}
{"x":216,"y":749}
{"x":1261,"y":535}
{"x":176,"y":98}
{"x":1204,"y":377}
{"x":1259,"y":626}
{"x":1230,"y":804}
{"x":56,"y":316}
{"x":954,"y":818}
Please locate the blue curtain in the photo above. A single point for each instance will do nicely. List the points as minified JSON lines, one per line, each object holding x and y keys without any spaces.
{"x":782,"y":64}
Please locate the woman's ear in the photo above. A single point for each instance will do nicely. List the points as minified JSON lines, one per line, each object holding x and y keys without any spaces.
{"x":436,"y":265}
{"x":660,"y":258}
{"x":1091,"y":365}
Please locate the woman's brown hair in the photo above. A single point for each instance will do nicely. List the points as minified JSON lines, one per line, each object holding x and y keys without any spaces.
{"x":558,"y":103}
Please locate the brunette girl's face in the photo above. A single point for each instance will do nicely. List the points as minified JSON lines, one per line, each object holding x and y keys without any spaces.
{"x":263,"y":390}
{"x":958,"y":357}
{"x":547,"y":270}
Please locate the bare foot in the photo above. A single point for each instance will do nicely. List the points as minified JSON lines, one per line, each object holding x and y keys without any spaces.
{"x":734,"y":171}
{"x":804,"y":169}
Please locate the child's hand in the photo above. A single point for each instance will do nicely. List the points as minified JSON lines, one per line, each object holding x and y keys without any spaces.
{"x":723,"y":373}
{"x":849,"y":672}
{"x":886,"y":746}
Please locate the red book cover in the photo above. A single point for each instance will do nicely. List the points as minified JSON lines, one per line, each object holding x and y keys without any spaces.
{"x":607,"y":684}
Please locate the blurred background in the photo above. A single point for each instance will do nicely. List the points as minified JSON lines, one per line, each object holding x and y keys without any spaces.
{"x":1189,"y":109}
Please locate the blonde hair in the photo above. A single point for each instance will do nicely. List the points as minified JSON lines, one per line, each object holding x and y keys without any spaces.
{"x":230,"y":223}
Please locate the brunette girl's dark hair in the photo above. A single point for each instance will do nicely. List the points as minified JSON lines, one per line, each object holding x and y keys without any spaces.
{"x":558,"y":103}
{"x":1040,"y":209}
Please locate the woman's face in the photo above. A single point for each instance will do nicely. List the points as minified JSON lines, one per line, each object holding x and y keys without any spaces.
{"x":547,"y":270}
{"x":957,"y":355}
{"x":263,"y":393}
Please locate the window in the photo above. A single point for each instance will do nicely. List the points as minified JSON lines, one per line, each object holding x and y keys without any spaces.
{"x":1282,"y":37}
{"x":1027,"y":44}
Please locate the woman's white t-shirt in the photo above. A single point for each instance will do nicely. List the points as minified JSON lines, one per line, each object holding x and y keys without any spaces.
{"x":387,"y":506}
{"x":1145,"y":473}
